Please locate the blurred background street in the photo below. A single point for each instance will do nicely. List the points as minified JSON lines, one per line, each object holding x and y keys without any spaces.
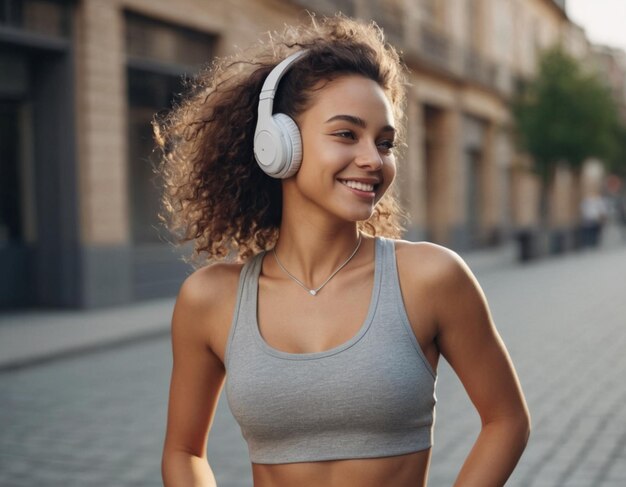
{"x":97,"y":418}
{"x":515,"y":158}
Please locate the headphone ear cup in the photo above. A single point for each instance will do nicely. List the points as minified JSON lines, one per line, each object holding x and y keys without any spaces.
{"x":292,"y":143}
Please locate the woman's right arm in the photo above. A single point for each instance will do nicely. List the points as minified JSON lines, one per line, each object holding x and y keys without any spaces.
{"x":196,"y":383}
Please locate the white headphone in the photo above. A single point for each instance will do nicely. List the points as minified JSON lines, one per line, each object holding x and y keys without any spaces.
{"x":277,"y":141}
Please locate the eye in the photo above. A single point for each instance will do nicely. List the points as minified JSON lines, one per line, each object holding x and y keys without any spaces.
{"x":345,"y":134}
{"x":386,"y":146}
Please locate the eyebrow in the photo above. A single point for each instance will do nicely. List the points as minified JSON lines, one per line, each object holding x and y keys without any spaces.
{"x":358,"y":121}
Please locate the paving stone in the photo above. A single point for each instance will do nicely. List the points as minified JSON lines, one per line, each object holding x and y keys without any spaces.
{"x":99,"y":419}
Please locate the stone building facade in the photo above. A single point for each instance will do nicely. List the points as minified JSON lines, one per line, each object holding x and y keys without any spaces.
{"x":81,"y":79}
{"x":611,"y":64}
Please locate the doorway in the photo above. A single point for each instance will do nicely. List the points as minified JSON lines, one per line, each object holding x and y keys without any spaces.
{"x":38,"y":223}
{"x":17,"y":238}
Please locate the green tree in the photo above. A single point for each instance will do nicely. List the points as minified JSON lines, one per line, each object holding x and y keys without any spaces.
{"x":565,"y":115}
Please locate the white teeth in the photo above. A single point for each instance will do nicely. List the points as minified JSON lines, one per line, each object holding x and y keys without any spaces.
{"x":358,"y":185}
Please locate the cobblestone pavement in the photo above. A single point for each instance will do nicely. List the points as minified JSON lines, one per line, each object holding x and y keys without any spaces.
{"x":98,"y":419}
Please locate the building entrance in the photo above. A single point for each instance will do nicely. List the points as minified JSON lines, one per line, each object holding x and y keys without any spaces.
{"x":17,"y":239}
{"x":38,"y":224}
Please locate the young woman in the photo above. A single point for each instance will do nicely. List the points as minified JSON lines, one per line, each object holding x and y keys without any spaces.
{"x":326,"y":331}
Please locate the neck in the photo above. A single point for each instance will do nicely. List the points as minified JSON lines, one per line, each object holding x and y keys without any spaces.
{"x":312,"y":251}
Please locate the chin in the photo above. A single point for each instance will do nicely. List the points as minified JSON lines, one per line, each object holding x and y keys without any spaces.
{"x":358,"y":215}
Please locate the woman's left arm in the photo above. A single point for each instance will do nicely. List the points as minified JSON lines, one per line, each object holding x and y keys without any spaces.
{"x":469,"y":341}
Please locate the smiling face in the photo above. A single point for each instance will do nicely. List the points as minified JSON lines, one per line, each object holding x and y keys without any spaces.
{"x":348,"y":161}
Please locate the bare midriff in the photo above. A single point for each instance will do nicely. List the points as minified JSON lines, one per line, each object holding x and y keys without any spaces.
{"x":398,"y":471}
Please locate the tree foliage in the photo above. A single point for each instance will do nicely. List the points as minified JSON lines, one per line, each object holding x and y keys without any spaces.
{"x":566,"y":115}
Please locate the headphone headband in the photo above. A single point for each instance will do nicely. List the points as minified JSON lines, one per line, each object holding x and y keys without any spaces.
{"x":270,"y":86}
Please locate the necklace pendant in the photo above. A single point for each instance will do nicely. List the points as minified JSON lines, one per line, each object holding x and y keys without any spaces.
{"x":313,"y":292}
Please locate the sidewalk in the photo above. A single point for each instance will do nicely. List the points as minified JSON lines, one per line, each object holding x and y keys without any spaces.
{"x":35,"y":336}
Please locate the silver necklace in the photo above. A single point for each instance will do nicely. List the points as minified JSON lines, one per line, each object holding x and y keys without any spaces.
{"x":313,"y":292}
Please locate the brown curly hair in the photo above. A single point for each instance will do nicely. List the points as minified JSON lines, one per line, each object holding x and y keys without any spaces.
{"x":214,"y":193}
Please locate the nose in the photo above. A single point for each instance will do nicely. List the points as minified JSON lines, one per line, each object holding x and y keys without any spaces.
{"x":369,"y":157}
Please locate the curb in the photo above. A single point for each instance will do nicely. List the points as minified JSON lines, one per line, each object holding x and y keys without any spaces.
{"x":70,"y":352}
{"x":38,"y":336}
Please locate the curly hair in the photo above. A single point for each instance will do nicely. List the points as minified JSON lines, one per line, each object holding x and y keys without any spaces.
{"x":214,"y":193}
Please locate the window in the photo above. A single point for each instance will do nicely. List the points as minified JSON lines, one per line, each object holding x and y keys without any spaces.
{"x":159,"y":56}
{"x":329,"y":7}
{"x":389,"y":15}
{"x":161,"y":43}
{"x":47,"y":17}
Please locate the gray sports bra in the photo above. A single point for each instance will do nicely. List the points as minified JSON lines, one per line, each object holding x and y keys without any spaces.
{"x":372,"y":396}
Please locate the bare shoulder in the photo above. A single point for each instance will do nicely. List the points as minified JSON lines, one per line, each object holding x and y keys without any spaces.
{"x":205,"y":303}
{"x":209,"y":285}
{"x":431,"y":264}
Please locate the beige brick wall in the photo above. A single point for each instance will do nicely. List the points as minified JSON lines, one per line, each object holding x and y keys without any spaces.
{"x":101,"y":118}
{"x":490,"y":182}
{"x":562,"y":214}
{"x":411,"y":177}
{"x":102,"y":99}
{"x":525,"y":194}
{"x":102,"y":104}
